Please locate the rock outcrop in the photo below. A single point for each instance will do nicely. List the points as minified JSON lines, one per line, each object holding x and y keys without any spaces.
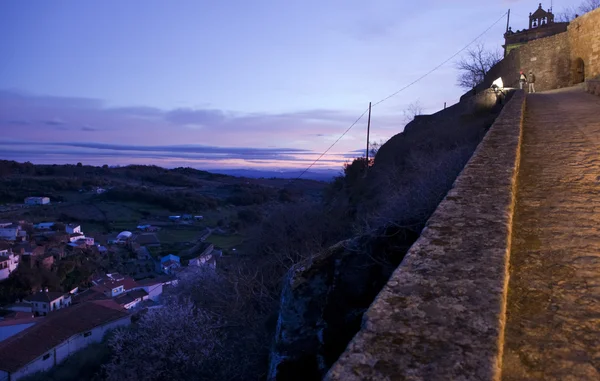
{"x":323,"y":301}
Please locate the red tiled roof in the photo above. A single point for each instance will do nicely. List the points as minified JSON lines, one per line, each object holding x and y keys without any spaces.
{"x":26,"y":346}
{"x":107,"y":284}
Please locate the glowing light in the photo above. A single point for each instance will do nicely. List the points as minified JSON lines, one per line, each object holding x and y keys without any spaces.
{"x":498,"y":83}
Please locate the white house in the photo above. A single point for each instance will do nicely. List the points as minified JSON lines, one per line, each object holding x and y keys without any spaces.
{"x":9,"y":233}
{"x":205,"y":258}
{"x":44,"y":302}
{"x":59,"y":335}
{"x":5,"y":224}
{"x":8,"y":263}
{"x":73,"y":228}
{"x":153,"y":287}
{"x":37,"y":200}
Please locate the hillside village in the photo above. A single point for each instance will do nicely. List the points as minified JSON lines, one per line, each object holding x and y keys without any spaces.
{"x":86,"y":249}
{"x":101,"y":301}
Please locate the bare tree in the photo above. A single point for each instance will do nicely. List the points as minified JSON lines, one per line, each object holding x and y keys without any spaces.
{"x":475,"y":64}
{"x":569,"y":13}
{"x":411,"y":111}
{"x":589,"y":5}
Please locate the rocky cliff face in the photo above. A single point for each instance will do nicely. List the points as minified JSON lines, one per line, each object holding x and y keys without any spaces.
{"x":323,"y":300}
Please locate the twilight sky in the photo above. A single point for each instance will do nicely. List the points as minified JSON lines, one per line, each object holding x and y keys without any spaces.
{"x":226,"y":84}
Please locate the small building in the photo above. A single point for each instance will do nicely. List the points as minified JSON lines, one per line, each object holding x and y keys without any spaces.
{"x":73,"y":237}
{"x":8,"y":263}
{"x":198,"y":218}
{"x":5,"y":224}
{"x":204,"y":261}
{"x":114,"y":284}
{"x":44,"y":302}
{"x":174,"y":218}
{"x":131,"y":299}
{"x":99,"y":190}
{"x":73,"y":229}
{"x":53,"y":339}
{"x":123,"y":236}
{"x":44,"y":225}
{"x":153,"y":287}
{"x":9,"y":233}
{"x":37,"y":200}
{"x":169,"y":263}
{"x":205,"y":258}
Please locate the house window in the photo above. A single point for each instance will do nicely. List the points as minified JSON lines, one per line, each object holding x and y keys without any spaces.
{"x":86,"y":334}
{"x":46,"y":356}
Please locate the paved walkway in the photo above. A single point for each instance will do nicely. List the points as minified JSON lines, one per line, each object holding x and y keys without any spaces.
{"x":553,"y":326}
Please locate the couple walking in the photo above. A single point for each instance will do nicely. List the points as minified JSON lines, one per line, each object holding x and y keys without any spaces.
{"x":523,"y":79}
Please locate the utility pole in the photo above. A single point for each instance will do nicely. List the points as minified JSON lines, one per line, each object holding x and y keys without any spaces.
{"x":368,"y":130}
{"x":508,"y":21}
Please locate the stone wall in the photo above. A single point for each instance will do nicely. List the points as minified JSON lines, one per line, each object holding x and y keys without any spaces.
{"x":548,"y":58}
{"x":554,"y":59}
{"x":592,"y":86}
{"x":584,"y":39}
{"x":441,"y":315}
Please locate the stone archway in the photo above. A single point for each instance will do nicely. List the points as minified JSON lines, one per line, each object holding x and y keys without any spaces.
{"x":578,"y":71}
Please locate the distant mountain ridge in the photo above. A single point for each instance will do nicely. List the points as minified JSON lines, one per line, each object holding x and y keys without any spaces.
{"x":320,"y":175}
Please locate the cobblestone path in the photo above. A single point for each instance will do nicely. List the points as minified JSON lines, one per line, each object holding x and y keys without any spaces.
{"x":553,"y":325}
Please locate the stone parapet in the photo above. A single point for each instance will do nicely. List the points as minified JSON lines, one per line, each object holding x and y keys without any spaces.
{"x":592,"y":86}
{"x":441,"y":315}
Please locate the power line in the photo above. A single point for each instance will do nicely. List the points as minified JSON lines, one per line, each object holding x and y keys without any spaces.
{"x":442,"y":64}
{"x":399,"y":91}
{"x":334,"y":143}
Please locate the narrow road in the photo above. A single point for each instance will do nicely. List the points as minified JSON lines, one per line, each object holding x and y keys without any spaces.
{"x":553,"y":325}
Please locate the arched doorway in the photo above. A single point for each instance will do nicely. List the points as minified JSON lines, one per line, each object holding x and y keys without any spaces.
{"x":578,"y":71}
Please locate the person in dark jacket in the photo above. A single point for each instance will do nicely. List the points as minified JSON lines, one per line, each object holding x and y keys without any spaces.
{"x":531,"y":81}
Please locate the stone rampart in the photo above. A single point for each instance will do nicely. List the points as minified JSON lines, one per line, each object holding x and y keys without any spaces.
{"x":441,"y":315}
{"x":584,"y":41}
{"x":558,"y":61}
{"x":547,"y":57}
